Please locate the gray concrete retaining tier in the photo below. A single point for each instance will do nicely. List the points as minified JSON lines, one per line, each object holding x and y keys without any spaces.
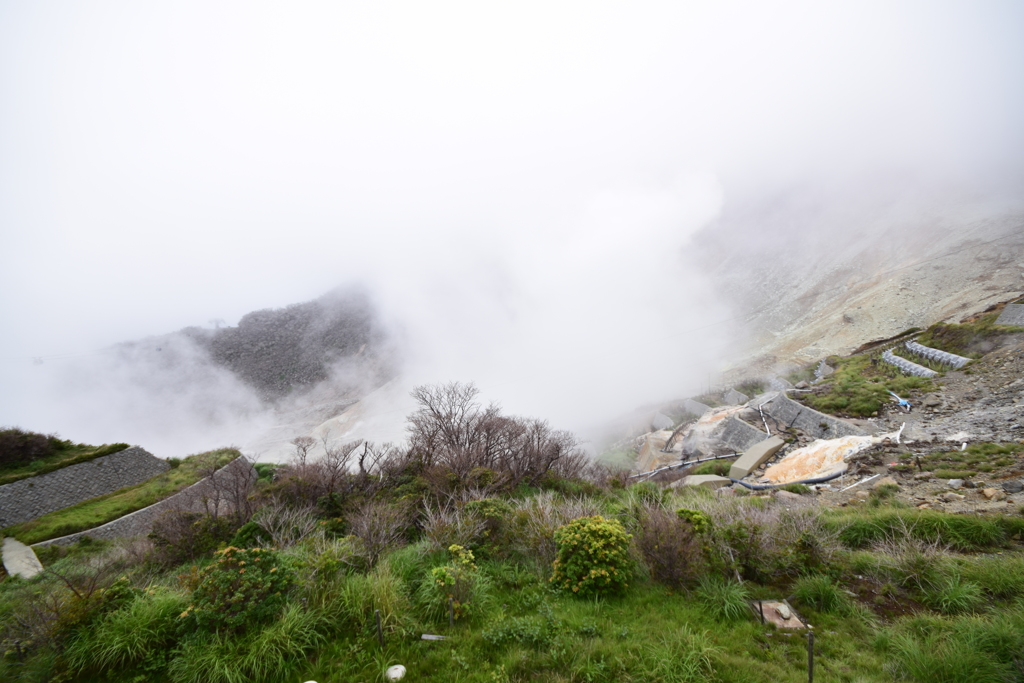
{"x":755,"y":457}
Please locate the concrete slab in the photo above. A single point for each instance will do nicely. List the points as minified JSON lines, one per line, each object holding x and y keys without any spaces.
{"x":755,"y":457}
{"x":661,"y":421}
{"x":778,"y":612}
{"x":1013,"y":314}
{"x":711,"y":481}
{"x":735,"y":398}
{"x":19,"y":559}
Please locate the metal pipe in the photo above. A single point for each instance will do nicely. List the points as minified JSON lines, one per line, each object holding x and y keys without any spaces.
{"x":765,"y":487}
{"x":682,"y":464}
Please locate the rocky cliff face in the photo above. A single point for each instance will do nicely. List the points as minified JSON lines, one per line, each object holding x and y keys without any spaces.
{"x":280,"y":351}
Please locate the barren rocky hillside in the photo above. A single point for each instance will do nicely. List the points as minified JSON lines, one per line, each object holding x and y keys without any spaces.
{"x":806,"y":281}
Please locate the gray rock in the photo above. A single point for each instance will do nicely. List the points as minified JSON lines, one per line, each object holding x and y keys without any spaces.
{"x":802,"y":385}
{"x":1013,"y":486}
{"x":955,"y":483}
{"x":951,"y":497}
{"x":968,"y":484}
{"x":784,"y":611}
{"x":787,"y":495}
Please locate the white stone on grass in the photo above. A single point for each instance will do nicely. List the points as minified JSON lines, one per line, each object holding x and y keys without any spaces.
{"x":19,"y":559}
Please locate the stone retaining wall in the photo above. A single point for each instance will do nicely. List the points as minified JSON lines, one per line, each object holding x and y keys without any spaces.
{"x":810,"y":421}
{"x":27,"y":499}
{"x":739,"y":435}
{"x":141,"y":521}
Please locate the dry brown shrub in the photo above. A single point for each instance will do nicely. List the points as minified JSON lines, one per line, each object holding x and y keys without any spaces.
{"x":669,"y":547}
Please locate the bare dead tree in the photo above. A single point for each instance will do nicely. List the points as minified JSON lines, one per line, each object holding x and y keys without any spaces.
{"x":287,"y":525}
{"x":452,"y":431}
{"x":302,"y":445}
{"x":227,"y":490}
{"x":379,"y":526}
{"x":335,"y":462}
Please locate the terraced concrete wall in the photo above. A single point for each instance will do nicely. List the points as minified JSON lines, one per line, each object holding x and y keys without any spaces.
{"x":141,"y":521}
{"x":34,"y":497}
{"x":907,"y":367}
{"x":740,"y":435}
{"x":936,"y":355}
{"x":810,"y":421}
{"x":1013,"y":314}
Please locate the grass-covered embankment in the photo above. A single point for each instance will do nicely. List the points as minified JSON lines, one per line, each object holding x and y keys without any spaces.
{"x":860,"y":386}
{"x":966,"y":339}
{"x":27,"y":454}
{"x":102,"y":509}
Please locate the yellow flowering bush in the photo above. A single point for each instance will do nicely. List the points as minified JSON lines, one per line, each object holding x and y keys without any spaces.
{"x":243,"y":587}
{"x":455,"y":581}
{"x":593,"y":556}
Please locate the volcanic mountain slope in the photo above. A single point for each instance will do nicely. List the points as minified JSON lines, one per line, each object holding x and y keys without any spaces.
{"x":811,"y":280}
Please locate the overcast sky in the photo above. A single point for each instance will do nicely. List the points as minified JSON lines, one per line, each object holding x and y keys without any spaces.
{"x":525,"y":173}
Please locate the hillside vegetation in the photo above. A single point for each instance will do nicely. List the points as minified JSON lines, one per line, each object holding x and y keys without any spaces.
{"x":27,"y":454}
{"x":494,"y":532}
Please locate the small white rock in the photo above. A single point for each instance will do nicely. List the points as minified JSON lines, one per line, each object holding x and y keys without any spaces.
{"x":395,"y":673}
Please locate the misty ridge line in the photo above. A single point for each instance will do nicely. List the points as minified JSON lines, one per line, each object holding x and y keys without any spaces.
{"x":523,"y":377}
{"x":738,"y":317}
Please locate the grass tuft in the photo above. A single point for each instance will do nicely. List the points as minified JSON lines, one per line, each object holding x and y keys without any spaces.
{"x":722,"y":598}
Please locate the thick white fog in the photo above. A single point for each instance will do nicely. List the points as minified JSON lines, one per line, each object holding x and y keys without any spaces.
{"x":516,"y":185}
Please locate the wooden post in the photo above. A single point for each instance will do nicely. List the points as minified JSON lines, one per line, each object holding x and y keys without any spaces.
{"x":760,"y":608}
{"x":451,"y":612}
{"x":810,"y":657}
{"x":380,"y":631}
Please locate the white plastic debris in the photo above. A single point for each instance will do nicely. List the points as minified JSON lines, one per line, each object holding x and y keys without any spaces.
{"x":395,"y":673}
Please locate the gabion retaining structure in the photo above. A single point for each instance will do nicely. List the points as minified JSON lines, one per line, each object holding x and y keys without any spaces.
{"x":936,"y":355}
{"x":907,"y":367}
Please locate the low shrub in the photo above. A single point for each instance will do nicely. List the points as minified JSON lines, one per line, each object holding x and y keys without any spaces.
{"x":182,"y":536}
{"x":533,"y":631}
{"x":670,"y":548}
{"x":241,"y":588}
{"x":450,"y":525}
{"x":593,"y":557}
{"x":494,"y":512}
{"x":453,"y":586}
{"x":700,"y":521}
